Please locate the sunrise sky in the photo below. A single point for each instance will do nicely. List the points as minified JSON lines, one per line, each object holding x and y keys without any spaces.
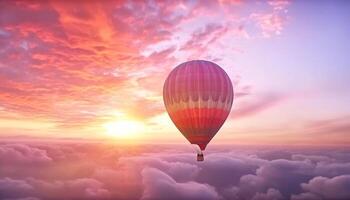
{"x":96,"y":70}
{"x":82,"y":113}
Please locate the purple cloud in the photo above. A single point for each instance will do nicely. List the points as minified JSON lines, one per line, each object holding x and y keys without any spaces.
{"x":14,"y":188}
{"x":104,"y":171}
{"x":17,"y":154}
{"x":271,"y":194}
{"x":85,"y":188}
{"x":159,"y":185}
{"x":326,"y":188}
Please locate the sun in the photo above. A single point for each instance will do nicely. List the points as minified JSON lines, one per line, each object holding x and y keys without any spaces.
{"x":124,"y":128}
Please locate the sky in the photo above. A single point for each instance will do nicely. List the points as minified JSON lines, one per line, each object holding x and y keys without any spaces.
{"x":95,"y":71}
{"x":82,"y":113}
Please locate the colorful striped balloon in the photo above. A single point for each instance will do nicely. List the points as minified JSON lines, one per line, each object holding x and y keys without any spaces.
{"x":198,"y":96}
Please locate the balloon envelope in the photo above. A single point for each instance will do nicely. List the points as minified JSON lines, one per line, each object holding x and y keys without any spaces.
{"x":198,"y":96}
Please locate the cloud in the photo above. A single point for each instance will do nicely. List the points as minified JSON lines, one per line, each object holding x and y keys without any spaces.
{"x":227,"y":170}
{"x":328,"y":188}
{"x":159,"y":185}
{"x":339,"y":125}
{"x":271,"y":194}
{"x":202,"y":37}
{"x":20,"y":154}
{"x":85,"y":188}
{"x":25,"y":198}
{"x":55,"y":57}
{"x":272,"y":23}
{"x":305,"y":196}
{"x":106,"y":171}
{"x":285,"y":175}
{"x":257,"y":104}
{"x":72,"y":66}
{"x":14,"y":188}
{"x":332,"y":169}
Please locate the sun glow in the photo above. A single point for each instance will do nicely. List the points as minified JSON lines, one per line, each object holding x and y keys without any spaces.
{"x":124,"y":128}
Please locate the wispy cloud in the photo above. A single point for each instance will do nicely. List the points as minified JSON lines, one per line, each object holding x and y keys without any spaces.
{"x":258,"y":104}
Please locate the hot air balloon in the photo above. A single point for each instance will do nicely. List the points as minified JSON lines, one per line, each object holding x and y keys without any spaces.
{"x":198,"y":97}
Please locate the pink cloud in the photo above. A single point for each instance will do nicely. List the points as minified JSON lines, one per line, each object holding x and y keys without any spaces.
{"x":305,"y":196}
{"x":339,"y":125}
{"x":47,"y":61}
{"x":270,"y":194}
{"x":85,"y":188}
{"x":272,"y":23}
{"x":329,"y":188}
{"x":56,"y":57}
{"x":22,"y":154}
{"x":103,"y":171}
{"x":159,"y":185}
{"x":247,"y":108}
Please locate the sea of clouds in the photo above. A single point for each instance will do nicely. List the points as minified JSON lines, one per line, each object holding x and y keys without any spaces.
{"x":77,"y":170}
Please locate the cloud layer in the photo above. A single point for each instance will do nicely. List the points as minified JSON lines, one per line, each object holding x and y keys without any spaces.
{"x":110,"y":171}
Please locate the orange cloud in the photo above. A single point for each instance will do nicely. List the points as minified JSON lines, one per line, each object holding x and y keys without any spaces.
{"x":73,"y":63}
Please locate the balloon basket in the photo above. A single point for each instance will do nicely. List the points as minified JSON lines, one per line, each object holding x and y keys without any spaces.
{"x":200,"y":157}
